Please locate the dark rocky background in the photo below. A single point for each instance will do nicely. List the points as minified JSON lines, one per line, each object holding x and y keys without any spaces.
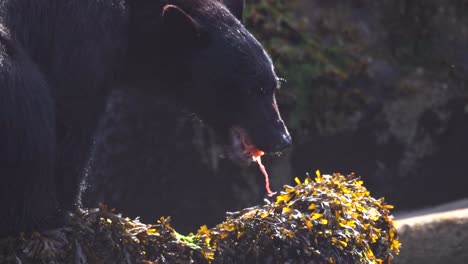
{"x":379,"y":88}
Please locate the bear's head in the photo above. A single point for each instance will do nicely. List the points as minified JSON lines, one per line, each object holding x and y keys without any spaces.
{"x":213,"y":64}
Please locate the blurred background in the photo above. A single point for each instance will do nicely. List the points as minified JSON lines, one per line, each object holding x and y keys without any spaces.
{"x":378,"y":88}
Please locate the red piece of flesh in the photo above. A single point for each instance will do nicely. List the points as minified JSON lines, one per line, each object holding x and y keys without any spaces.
{"x":256,"y":155}
{"x":258,"y":159}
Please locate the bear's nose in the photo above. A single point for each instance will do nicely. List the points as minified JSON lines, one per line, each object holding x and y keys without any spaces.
{"x":283,"y":143}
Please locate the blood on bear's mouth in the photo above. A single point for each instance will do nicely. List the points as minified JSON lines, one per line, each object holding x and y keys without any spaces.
{"x":242,"y":145}
{"x":244,"y":149}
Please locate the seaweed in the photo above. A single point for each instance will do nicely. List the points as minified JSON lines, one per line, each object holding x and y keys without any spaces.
{"x":331,"y":219}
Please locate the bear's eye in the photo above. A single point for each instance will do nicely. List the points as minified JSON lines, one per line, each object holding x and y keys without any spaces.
{"x":262,"y":91}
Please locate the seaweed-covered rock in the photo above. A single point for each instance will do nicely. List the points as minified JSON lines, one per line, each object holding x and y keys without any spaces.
{"x":100,"y":236}
{"x":331,"y":219}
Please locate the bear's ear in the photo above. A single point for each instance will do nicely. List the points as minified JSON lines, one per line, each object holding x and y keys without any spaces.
{"x":236,"y":7}
{"x":180,"y":27}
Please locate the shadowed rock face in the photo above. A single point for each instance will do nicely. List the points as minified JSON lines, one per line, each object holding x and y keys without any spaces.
{"x":400,"y":117}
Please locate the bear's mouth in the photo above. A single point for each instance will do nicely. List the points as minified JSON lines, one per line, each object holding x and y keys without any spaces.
{"x":242,"y":146}
{"x":244,"y":150}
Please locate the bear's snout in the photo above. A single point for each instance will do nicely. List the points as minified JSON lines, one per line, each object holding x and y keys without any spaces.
{"x":283,"y":143}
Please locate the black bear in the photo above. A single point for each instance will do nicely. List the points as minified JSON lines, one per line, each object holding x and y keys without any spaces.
{"x":60,"y":59}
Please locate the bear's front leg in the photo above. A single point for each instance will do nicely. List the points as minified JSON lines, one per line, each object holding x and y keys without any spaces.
{"x":27,"y":144}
